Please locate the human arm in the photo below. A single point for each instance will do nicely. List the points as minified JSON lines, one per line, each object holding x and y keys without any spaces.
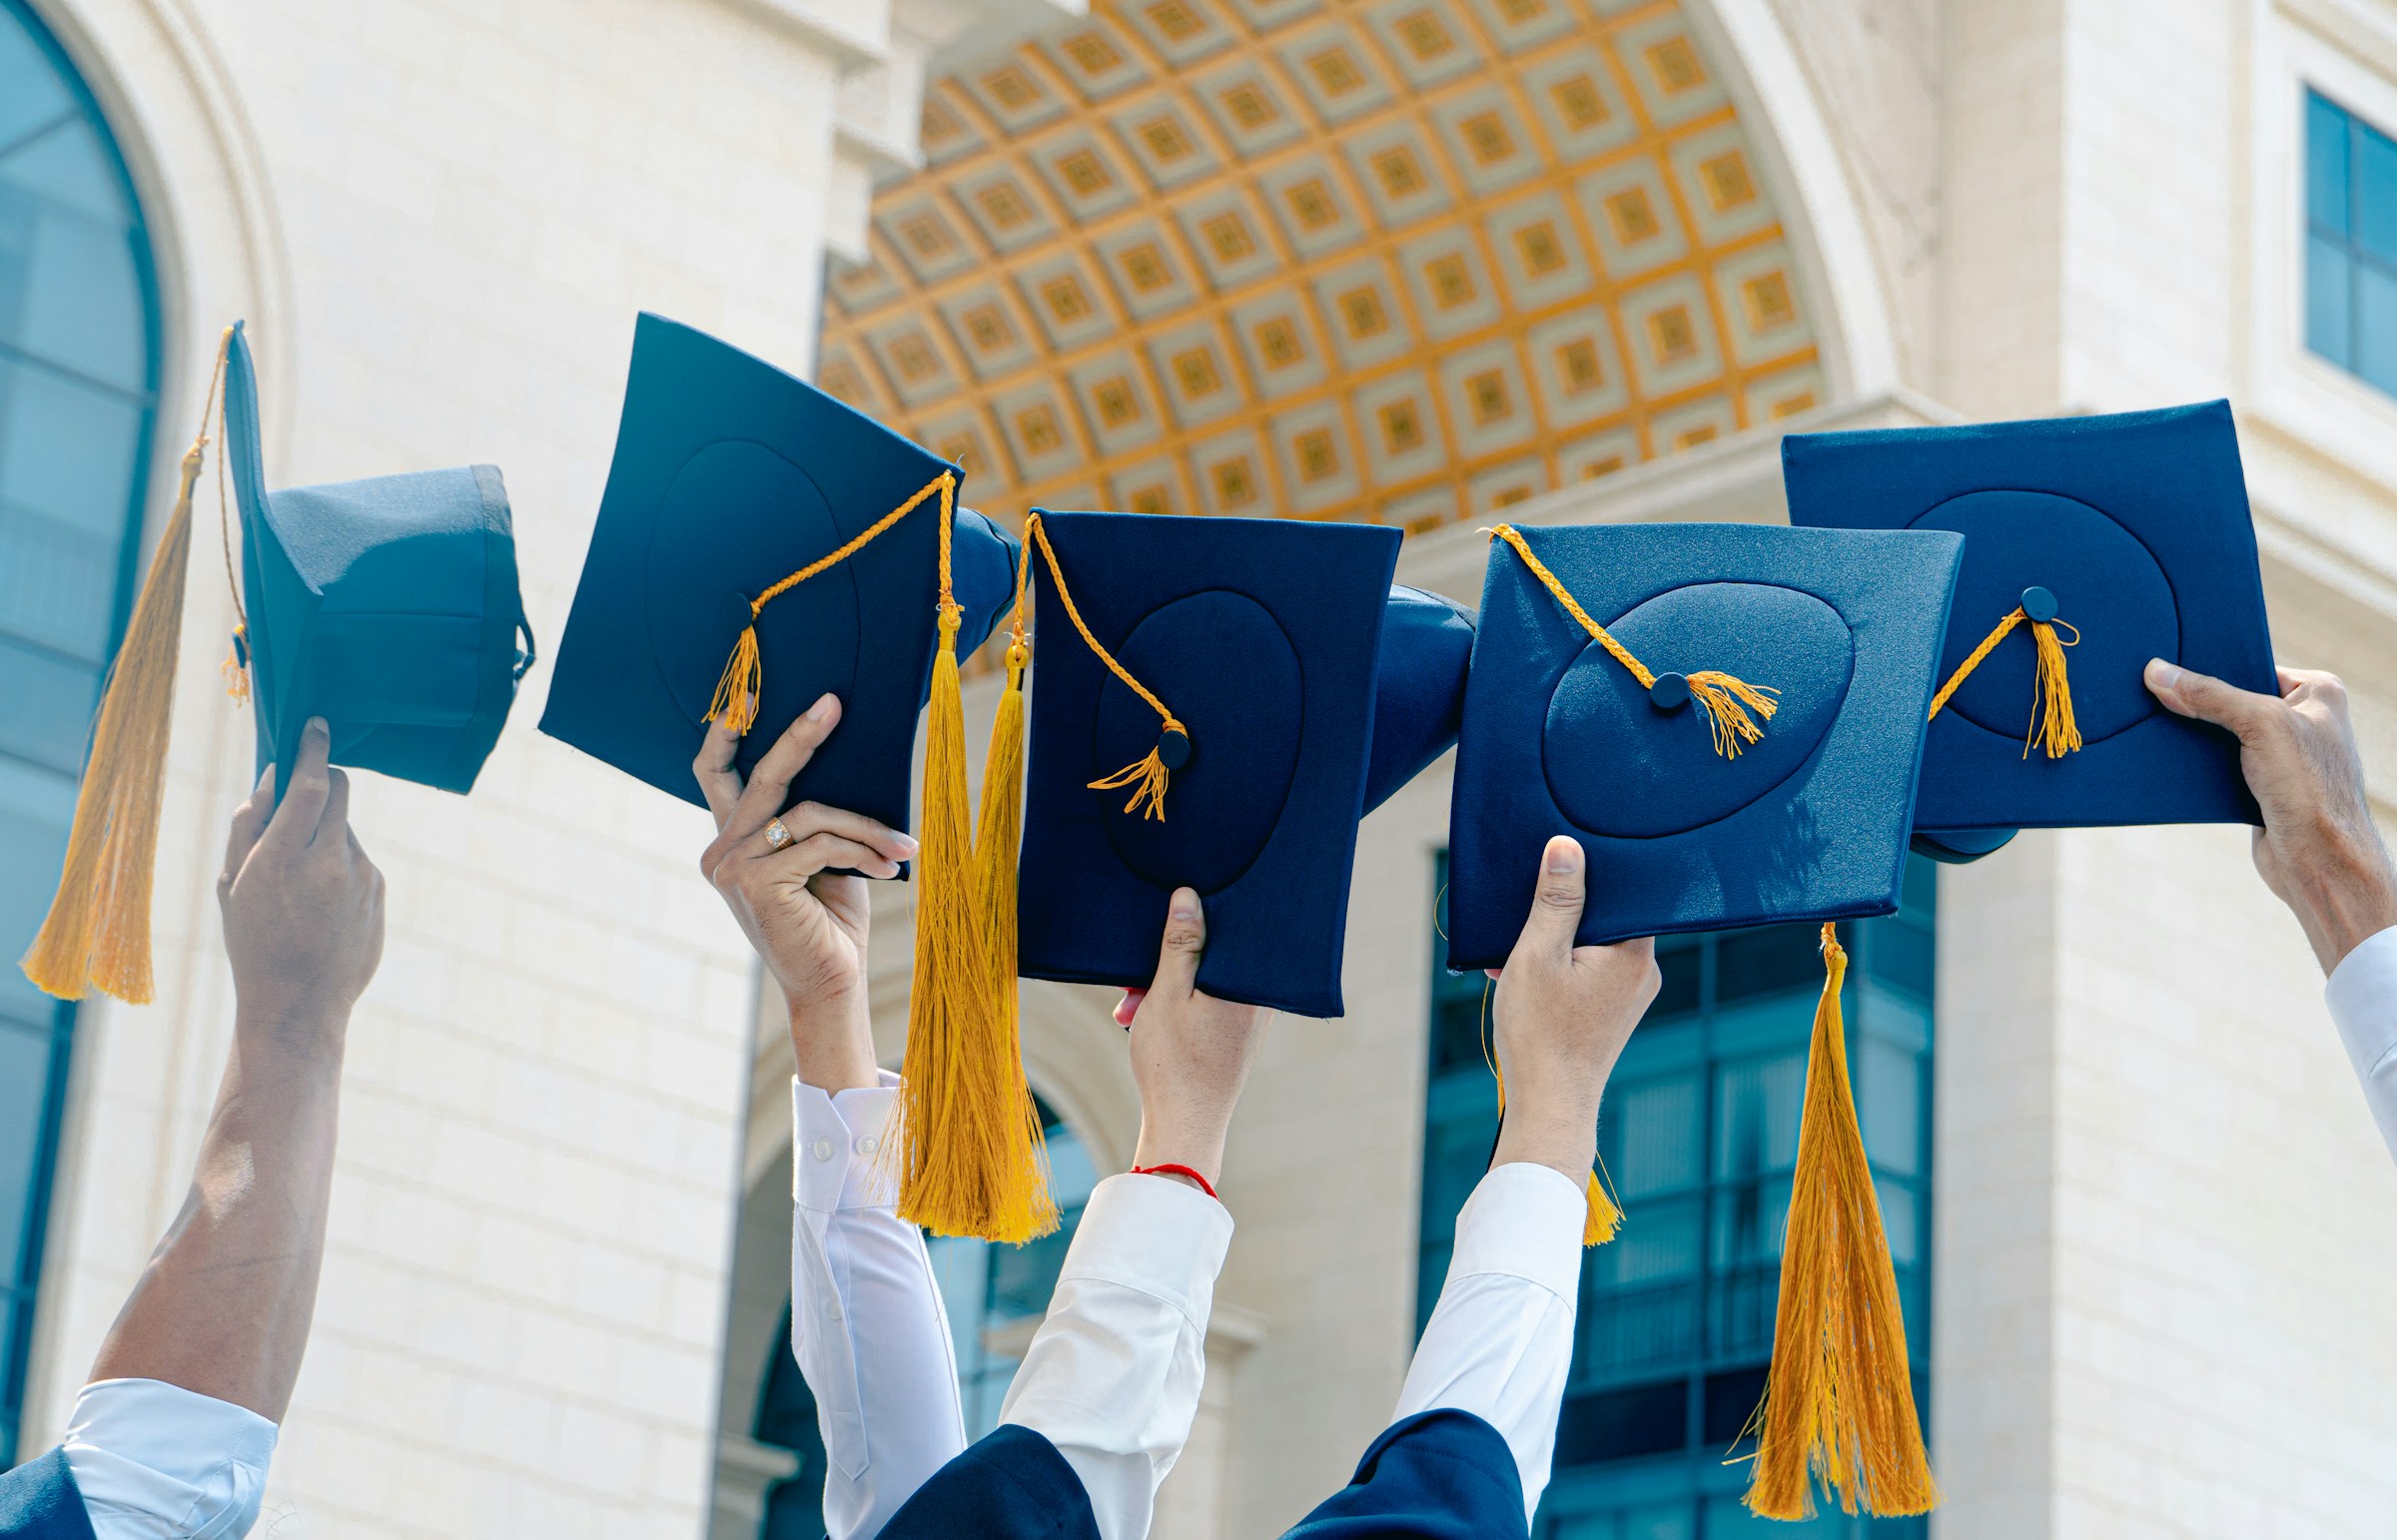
{"x":1112,"y":1375}
{"x":2318,"y":849}
{"x":178,"y":1420}
{"x":867,"y":1326}
{"x":1500,"y":1340}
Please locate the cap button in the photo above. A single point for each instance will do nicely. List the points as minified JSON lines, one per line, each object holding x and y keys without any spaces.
{"x":1670,"y":692}
{"x":2038,"y":605}
{"x":1173,"y":748}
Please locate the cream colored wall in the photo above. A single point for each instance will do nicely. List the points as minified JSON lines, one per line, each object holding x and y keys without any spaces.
{"x":441,"y":219}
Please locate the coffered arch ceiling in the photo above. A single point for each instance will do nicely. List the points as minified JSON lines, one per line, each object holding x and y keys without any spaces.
{"x":1400,"y":260}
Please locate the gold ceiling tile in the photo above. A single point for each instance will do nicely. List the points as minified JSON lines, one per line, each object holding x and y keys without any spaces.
{"x":1114,"y":393}
{"x":1337,"y":69}
{"x":1098,"y":62}
{"x":1418,"y":512}
{"x":1488,"y":407}
{"x":1601,"y":455}
{"x":1269,"y":15}
{"x":1580,"y":102}
{"x":1399,"y":418}
{"x":927,"y":239}
{"x":1362,"y":313}
{"x":1249,"y":107}
{"x":1693,"y":423}
{"x":1426,"y":40}
{"x":1487,"y":141}
{"x":1719,"y":184}
{"x":1519,"y":26}
{"x":1783,"y":393}
{"x":1632,"y":215}
{"x":1086,"y":170}
{"x":1312,"y":203}
{"x":1039,"y":428}
{"x":1452,"y":290}
{"x":1503,"y":485}
{"x":1231,"y":239}
{"x":1757,"y":290}
{"x":1167,"y":147}
{"x":1229,"y":470}
{"x":1540,"y":249}
{"x":1666,"y":69}
{"x":1402,"y":178}
{"x":1318,"y":465}
{"x":1183,"y":31}
{"x":943,"y":132}
{"x":1275,"y":334}
{"x":1064,"y":296}
{"x":1012,"y":92}
{"x":1577,"y":368}
{"x":911,"y":361}
{"x":993,"y":340}
{"x":1148,"y":275}
{"x":1201,"y":383}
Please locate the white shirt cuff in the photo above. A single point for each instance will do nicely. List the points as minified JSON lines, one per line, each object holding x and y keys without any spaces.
{"x":1523,"y":1220}
{"x":1155,"y":1234}
{"x":2362,"y":996}
{"x":836,"y":1147}
{"x":155,"y":1461}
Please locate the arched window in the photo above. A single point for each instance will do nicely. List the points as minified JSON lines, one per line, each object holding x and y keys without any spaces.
{"x":995,"y":1296}
{"x":78,"y":376}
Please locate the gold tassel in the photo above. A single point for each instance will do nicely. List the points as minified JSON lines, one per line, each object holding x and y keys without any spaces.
{"x":1604,"y":1217}
{"x":1721,"y":697}
{"x":236,"y":668}
{"x":736,"y":702}
{"x":1146,"y":778}
{"x":1839,"y":1402}
{"x":97,"y":934}
{"x":2052,"y":703}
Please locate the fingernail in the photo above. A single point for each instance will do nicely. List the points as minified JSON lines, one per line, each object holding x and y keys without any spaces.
{"x":1185,"y":905}
{"x":2161,"y":674}
{"x":821,"y":709}
{"x":906,"y":842}
{"x":316,"y":724}
{"x":1564,"y":855}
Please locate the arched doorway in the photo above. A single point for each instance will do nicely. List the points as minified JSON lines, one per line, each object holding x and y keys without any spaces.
{"x":1406,"y":261}
{"x":78,"y":384}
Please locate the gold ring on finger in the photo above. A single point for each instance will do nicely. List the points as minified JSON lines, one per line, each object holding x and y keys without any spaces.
{"x":777,"y":836}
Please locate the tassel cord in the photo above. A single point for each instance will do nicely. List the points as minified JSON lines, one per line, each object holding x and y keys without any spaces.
{"x":1147,"y":777}
{"x":2052,"y":722}
{"x":1725,"y":700}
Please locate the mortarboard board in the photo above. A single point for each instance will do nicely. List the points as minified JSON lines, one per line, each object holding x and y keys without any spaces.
{"x":759,"y":545}
{"x":1728,"y":718}
{"x":2110,"y":540}
{"x":387,"y":607}
{"x":730,"y":476}
{"x":1268,"y":671}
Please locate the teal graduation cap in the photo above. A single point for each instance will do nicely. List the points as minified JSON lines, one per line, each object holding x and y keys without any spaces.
{"x":389,"y":606}
{"x":1216,"y":703}
{"x":751,"y":519}
{"x":1728,"y":719}
{"x":2092,"y":544}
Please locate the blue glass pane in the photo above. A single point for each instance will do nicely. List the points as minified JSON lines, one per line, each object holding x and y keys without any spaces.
{"x":1889,"y":1094}
{"x":31,"y":96}
{"x":68,"y":167}
{"x":1757,"y":1104}
{"x":2329,"y":309}
{"x":1657,"y":1136}
{"x":2376,"y":194}
{"x":2376,"y":325}
{"x":2325,"y":165}
{"x":68,"y":452}
{"x":33,"y":810}
{"x":79,"y":299}
{"x":45,"y":710}
{"x":1901,"y":1221}
{"x":24,"y":1092}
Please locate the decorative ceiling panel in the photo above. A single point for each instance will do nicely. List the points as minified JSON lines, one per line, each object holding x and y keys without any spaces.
{"x":1397,"y":260}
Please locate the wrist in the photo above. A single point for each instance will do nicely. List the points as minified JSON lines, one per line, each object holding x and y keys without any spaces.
{"x":295,"y":1026}
{"x":832,"y":1045}
{"x":2350,"y":897}
{"x":1565,"y":1140}
{"x":1200,"y":1151}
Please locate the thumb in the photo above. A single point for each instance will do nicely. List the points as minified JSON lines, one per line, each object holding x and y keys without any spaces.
{"x":1556,"y":904}
{"x":1186,"y":941}
{"x":2207,"y":698}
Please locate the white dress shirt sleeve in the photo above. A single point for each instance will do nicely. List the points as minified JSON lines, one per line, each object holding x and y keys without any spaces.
{"x":155,"y":1461}
{"x":867,"y":1323}
{"x":1500,"y":1340}
{"x":1111,"y":1377}
{"x":2362,"y":994}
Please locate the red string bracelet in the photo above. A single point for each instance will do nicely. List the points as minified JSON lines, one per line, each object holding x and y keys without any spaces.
{"x":1178,"y":1171}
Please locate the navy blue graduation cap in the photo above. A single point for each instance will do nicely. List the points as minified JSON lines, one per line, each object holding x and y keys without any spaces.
{"x":760,"y":545}
{"x":387,"y":607}
{"x":2092,"y":544}
{"x":1700,"y":807}
{"x":748,"y":516}
{"x":1728,"y":718}
{"x":1239,"y":693}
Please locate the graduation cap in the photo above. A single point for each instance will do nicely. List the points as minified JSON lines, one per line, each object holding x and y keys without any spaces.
{"x":1728,"y":718}
{"x":1217,"y":703}
{"x":760,"y":545}
{"x":2091,"y":545}
{"x":387,"y":607}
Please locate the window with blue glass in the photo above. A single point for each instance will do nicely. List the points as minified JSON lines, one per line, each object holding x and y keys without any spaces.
{"x":996,"y":1296}
{"x":2350,"y":241}
{"x":78,"y":344}
{"x":1698,"y":1133}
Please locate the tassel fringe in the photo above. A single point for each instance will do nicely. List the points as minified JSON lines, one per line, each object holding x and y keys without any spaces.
{"x":736,"y":702}
{"x":1726,"y":699}
{"x":1146,"y":778}
{"x":97,"y":935}
{"x":236,"y":668}
{"x":1604,"y":1217}
{"x":1839,"y":1403}
{"x":2053,"y":726}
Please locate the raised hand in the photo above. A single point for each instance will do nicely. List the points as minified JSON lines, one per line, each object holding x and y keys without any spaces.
{"x":807,"y":922}
{"x":1564,"y":1014}
{"x":1190,"y":1053}
{"x":303,"y":906}
{"x":2317,"y":851}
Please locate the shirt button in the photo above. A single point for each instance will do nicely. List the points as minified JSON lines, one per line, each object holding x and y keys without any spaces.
{"x":823,"y":1149}
{"x":867,"y":1145}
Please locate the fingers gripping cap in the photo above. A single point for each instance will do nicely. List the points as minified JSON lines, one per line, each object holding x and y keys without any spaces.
{"x":2108,"y":540}
{"x":730,"y":478}
{"x":1808,"y":821}
{"x":1281,"y":649}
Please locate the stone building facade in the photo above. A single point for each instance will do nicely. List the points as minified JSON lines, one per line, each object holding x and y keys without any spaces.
{"x":1404,"y":260}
